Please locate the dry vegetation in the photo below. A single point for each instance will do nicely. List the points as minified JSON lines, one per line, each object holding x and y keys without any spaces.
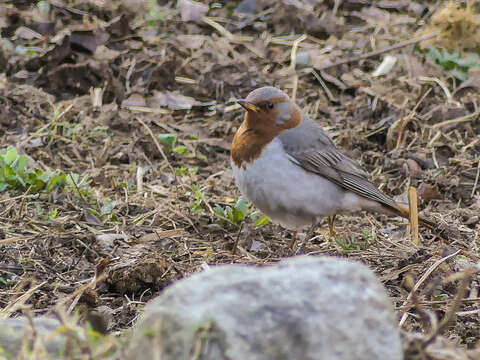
{"x":137,"y":99}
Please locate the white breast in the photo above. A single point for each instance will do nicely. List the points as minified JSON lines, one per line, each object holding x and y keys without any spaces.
{"x":290,"y":195}
{"x":286,"y":193}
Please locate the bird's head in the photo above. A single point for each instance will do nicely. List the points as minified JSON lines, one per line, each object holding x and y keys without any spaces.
{"x":270,"y":108}
{"x":269,"y":111}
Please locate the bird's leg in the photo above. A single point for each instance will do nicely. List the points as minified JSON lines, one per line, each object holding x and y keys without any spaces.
{"x":308,"y":236}
{"x":331,"y":226}
{"x":294,"y":239}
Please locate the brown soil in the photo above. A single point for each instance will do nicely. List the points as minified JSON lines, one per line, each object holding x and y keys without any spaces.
{"x":120,"y":75}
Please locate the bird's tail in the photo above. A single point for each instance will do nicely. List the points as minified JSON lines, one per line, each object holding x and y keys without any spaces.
{"x":403,"y":211}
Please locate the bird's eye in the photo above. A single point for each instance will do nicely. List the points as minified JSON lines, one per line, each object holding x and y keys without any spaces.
{"x":270,"y":105}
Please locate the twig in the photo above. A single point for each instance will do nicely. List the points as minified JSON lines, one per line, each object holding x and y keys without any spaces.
{"x":427,"y":317}
{"x":444,"y":88}
{"x":324,"y":86}
{"x":140,"y":172}
{"x":68,"y":8}
{"x":461,"y":119}
{"x":129,"y":74}
{"x":421,"y":281}
{"x":14,"y":239}
{"x":452,"y":310}
{"x":404,"y":122}
{"x":293,"y":53}
{"x":235,"y":244}
{"x":159,"y":147}
{"x":225,"y":32}
{"x":413,"y":213}
{"x":336,"y":5}
{"x":18,"y":303}
{"x":295,"y":87}
{"x":378,"y":52}
{"x":476,"y":179}
{"x":78,"y":189}
{"x":22,"y":205}
{"x":293,"y":64}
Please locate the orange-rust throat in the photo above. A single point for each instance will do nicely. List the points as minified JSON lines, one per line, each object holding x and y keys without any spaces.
{"x":257,"y":131}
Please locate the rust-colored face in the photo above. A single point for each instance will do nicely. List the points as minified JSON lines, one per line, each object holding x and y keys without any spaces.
{"x":264,"y":120}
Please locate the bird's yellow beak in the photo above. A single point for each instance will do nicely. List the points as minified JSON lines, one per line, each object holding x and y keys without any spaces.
{"x":248,"y":105}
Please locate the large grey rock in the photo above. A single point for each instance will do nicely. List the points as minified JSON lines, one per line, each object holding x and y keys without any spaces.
{"x":303,"y":308}
{"x":17,"y":337}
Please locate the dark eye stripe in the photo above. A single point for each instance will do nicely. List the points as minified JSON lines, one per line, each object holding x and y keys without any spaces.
{"x":266,"y":106}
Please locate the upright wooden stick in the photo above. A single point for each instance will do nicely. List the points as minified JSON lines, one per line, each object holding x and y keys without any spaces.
{"x":413,"y":209}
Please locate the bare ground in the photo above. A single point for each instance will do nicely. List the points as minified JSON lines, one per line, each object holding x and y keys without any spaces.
{"x":88,"y":89}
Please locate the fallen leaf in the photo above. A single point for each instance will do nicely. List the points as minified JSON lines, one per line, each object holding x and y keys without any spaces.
{"x":192,"y":10}
{"x":191,"y":41}
{"x":134,"y":100}
{"x":428,"y":192}
{"x":175,"y":101}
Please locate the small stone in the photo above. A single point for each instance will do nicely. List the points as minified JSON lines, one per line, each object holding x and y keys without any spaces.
{"x":302,"y":59}
{"x":247,"y":7}
{"x":16,"y":335}
{"x":413,"y":169}
{"x":192,"y":10}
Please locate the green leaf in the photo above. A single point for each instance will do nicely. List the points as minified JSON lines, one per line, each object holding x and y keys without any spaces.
{"x":434,"y":54}
{"x":108,"y":207}
{"x":229,"y":212}
{"x":58,"y":178}
{"x":458,"y":74}
{"x":3,"y":187}
{"x":11,"y":155}
{"x":240,"y":210}
{"x":470,"y":61}
{"x":72,"y":179}
{"x":21,"y":163}
{"x":93,"y":212}
{"x":53,"y":215}
{"x":168,"y":139}
{"x":179,"y":149}
{"x":218,"y":210}
{"x":9,"y":173}
{"x":262,"y":220}
{"x":449,"y":58}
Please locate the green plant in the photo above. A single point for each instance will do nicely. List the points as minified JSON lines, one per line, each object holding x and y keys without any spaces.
{"x":184,"y":171}
{"x":15,"y":174}
{"x":79,"y":185}
{"x":155,"y":13}
{"x":106,"y":211}
{"x":46,"y":216}
{"x":453,"y":64}
{"x":259,"y":218}
{"x":353,"y":243}
{"x":235,"y":214}
{"x":197,"y":204}
{"x":239,"y":212}
{"x":170,"y":140}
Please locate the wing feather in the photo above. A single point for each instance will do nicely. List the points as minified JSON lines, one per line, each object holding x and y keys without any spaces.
{"x":309,"y":147}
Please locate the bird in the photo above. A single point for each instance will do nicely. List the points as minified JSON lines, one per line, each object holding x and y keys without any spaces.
{"x":291,"y":170}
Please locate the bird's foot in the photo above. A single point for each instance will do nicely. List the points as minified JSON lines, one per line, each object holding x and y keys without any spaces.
{"x":331,"y":226}
{"x":294,"y":240}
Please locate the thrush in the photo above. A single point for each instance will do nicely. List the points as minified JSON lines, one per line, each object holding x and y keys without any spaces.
{"x":292,"y":171}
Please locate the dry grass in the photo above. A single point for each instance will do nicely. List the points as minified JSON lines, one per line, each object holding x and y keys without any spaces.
{"x":161,"y":229}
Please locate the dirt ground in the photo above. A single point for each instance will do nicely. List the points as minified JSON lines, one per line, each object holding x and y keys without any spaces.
{"x":137,"y":98}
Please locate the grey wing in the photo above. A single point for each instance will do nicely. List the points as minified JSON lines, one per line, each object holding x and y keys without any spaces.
{"x":309,"y":147}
